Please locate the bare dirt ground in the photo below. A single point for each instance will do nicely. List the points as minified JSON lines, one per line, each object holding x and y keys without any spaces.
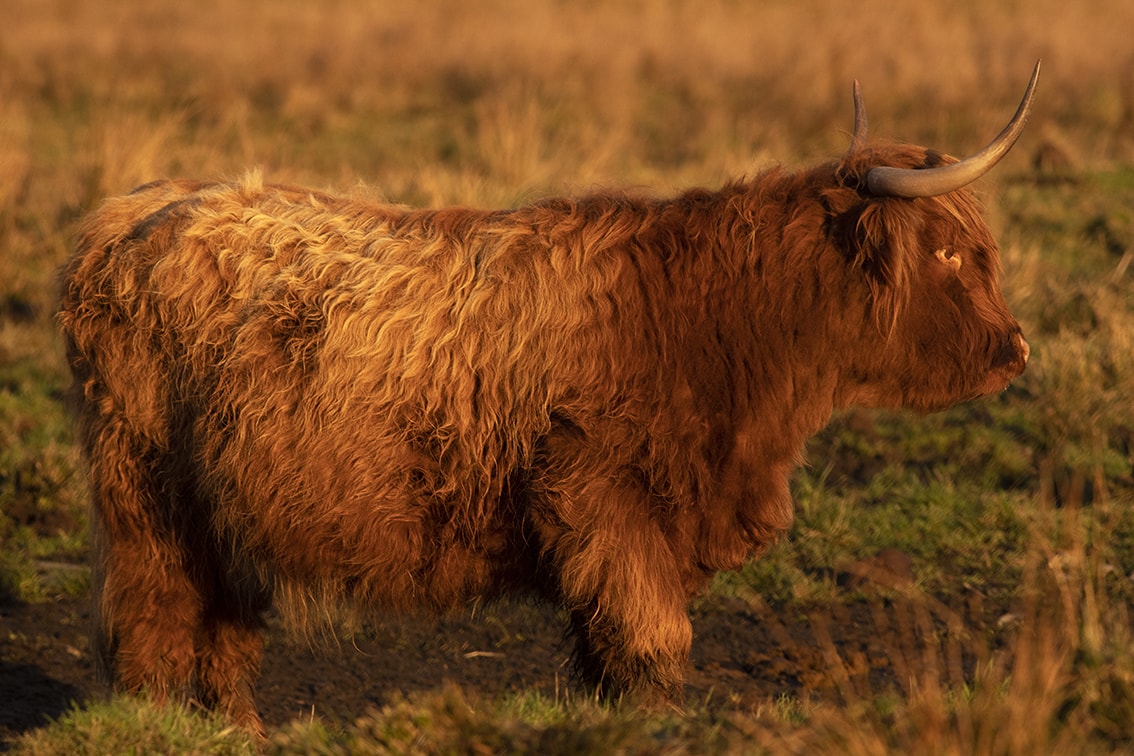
{"x":742,"y":655}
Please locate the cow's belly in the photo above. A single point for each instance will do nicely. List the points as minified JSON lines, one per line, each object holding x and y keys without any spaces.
{"x":385,"y":546}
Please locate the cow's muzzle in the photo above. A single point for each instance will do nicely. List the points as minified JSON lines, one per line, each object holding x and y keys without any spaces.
{"x":1013,"y":351}
{"x":1008,"y":360}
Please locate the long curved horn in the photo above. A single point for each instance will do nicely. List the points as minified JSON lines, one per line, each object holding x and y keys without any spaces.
{"x":930,"y":182}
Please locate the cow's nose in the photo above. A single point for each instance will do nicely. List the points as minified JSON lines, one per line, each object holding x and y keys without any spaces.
{"x":1013,"y":350}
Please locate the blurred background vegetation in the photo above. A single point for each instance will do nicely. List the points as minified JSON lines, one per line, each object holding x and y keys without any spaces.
{"x":500,"y":102}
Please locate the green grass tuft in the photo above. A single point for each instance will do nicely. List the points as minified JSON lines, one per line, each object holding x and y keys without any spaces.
{"x":135,"y":726}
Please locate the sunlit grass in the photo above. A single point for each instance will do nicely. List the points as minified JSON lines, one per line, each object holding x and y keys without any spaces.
{"x":135,"y":726}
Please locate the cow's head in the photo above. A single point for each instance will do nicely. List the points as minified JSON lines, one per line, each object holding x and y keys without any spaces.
{"x":938,"y":329}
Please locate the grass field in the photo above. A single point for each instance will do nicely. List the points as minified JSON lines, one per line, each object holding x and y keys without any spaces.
{"x":1025,"y":500}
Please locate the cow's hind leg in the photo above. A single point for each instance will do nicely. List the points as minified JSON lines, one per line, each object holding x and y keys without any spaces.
{"x":166,"y":621}
{"x":147,"y":607}
{"x":230,"y":648}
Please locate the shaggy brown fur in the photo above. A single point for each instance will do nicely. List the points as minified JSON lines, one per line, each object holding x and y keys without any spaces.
{"x":293,"y":398}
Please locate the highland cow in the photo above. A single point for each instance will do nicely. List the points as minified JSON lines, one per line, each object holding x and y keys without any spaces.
{"x":293,"y":399}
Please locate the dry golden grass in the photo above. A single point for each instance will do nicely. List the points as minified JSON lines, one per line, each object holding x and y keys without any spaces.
{"x":1062,"y":683}
{"x":534,"y":95}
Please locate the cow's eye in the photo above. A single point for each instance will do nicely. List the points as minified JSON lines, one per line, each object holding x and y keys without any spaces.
{"x":950,"y":258}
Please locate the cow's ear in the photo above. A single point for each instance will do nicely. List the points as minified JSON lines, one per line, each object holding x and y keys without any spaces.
{"x":885,"y":236}
{"x":881,"y":236}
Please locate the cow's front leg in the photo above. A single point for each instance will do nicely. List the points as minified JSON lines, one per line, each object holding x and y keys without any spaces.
{"x":617,"y":576}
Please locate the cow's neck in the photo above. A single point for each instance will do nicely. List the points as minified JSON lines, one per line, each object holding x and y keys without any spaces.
{"x":757,"y":357}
